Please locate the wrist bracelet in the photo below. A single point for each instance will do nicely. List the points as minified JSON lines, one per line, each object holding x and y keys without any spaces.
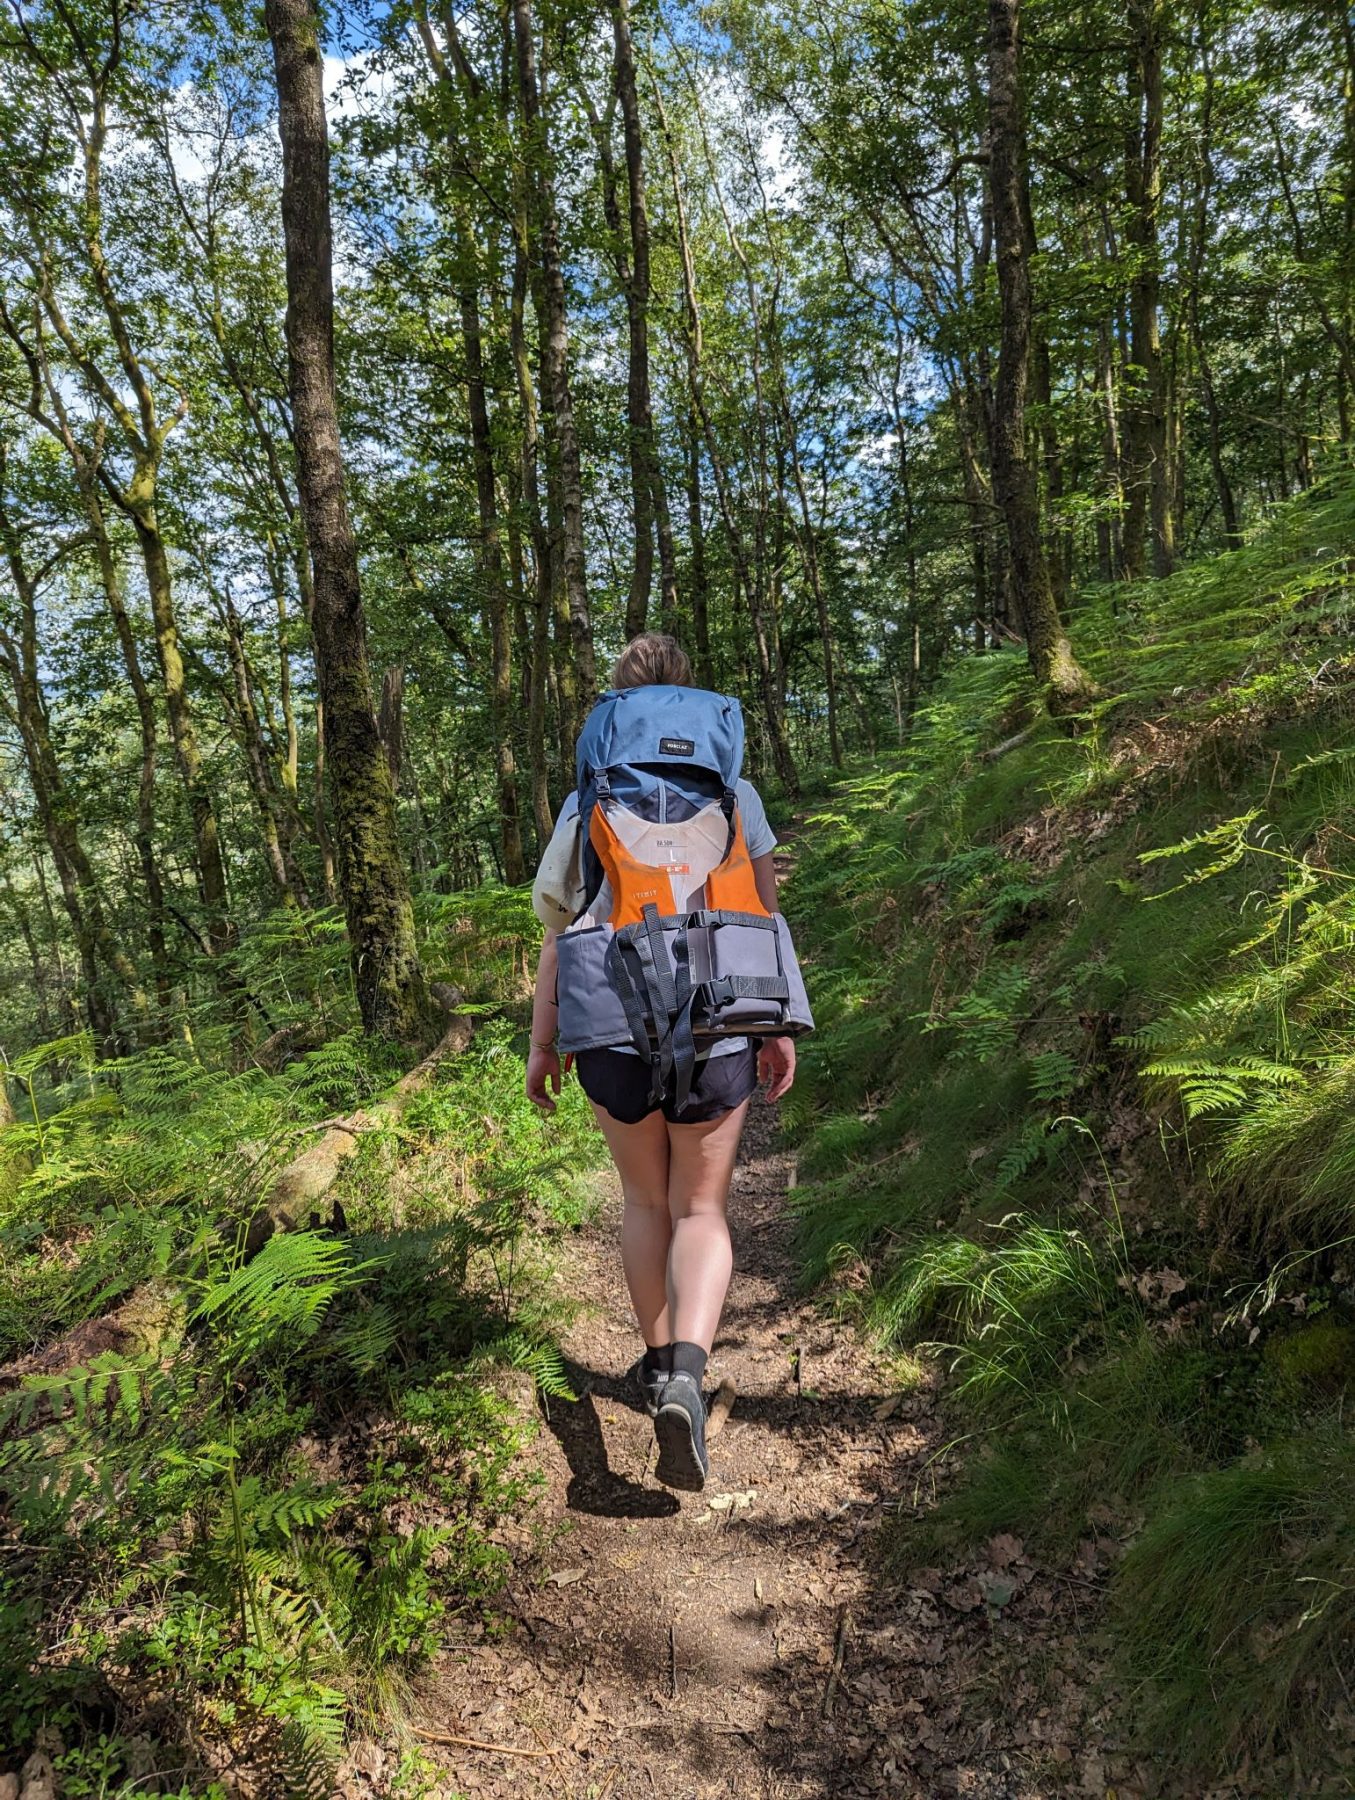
{"x":536,"y":1046}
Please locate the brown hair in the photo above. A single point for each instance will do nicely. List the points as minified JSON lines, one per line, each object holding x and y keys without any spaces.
{"x":652,"y":660}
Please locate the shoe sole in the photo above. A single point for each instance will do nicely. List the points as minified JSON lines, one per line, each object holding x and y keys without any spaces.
{"x":679,"y":1465}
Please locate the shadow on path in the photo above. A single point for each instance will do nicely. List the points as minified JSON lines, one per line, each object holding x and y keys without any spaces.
{"x":594,"y":1486}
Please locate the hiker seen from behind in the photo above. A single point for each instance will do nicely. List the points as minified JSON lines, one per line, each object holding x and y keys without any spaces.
{"x":668,"y":979}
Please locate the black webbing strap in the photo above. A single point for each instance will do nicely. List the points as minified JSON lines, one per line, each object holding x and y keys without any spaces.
{"x":729,"y":802}
{"x":664,"y":1007}
{"x":631,"y":1001}
{"x":654,"y":956}
{"x":683,"y":1039}
{"x":708,"y":916}
{"x":649,"y":995}
{"x":759,"y":987}
{"x":722,"y":990}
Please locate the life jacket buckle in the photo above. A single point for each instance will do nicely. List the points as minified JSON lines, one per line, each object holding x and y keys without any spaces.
{"x":719,"y":991}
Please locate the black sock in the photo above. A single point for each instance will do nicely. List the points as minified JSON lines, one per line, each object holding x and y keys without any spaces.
{"x":658,"y":1359}
{"x":690,"y":1359}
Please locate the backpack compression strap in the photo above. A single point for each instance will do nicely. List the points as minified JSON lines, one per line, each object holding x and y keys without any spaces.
{"x":659,"y":996}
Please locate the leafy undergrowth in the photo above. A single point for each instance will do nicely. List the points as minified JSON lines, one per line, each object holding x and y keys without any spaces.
{"x":1079,"y":1113}
{"x":247,"y":1495}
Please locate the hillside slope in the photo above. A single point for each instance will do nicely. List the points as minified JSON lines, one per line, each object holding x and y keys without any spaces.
{"x":1079,"y":1113}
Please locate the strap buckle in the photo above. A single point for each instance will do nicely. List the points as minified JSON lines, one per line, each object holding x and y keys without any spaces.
{"x":720,"y":991}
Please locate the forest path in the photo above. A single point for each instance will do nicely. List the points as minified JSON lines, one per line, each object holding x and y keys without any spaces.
{"x":684,"y":1646}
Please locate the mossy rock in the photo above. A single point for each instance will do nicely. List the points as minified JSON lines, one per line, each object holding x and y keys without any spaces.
{"x":1315,"y":1361}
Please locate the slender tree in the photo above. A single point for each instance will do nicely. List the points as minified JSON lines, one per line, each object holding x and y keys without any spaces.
{"x":372,"y":880}
{"x":1051,"y":654}
{"x":1148,"y":485}
{"x":543,"y":221}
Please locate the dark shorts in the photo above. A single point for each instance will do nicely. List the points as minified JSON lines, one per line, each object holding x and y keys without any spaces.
{"x":619,"y":1084}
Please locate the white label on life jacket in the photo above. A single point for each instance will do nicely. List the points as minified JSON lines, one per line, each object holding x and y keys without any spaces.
{"x":686,"y":851}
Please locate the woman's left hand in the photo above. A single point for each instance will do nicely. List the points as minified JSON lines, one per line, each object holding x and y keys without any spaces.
{"x":543,"y":1073}
{"x":776,"y":1066}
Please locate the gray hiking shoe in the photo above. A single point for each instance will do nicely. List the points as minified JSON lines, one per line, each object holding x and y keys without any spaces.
{"x":680,"y":1427}
{"x":649,"y":1387}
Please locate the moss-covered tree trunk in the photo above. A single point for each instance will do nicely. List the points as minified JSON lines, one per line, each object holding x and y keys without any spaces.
{"x":1051,"y":653}
{"x":94,"y":940}
{"x":182,"y":730}
{"x":538,"y":675}
{"x":111,"y":576}
{"x":240,"y":703}
{"x":55,"y":418}
{"x":372,"y":880}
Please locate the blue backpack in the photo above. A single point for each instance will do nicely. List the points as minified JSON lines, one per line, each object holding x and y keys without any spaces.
{"x":689,"y":953}
{"x":664,"y":753}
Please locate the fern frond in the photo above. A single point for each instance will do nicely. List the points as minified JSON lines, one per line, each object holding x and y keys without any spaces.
{"x":288,"y":1287}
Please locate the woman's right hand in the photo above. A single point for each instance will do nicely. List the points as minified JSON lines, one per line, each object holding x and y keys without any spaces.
{"x":543,"y":1069}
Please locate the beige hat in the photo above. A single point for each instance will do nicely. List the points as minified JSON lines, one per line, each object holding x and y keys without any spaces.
{"x":557,"y":892}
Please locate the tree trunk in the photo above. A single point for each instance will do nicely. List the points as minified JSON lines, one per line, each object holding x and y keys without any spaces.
{"x":145,"y":434}
{"x":1232,"y":535}
{"x":96,"y":942}
{"x":256,"y":759}
{"x":458,"y":73}
{"x":545,"y":225}
{"x":1051,"y":452}
{"x":1051,"y":655}
{"x":320,"y":815}
{"x":183,"y":733}
{"x":650,"y":499}
{"x":1148,"y":486}
{"x":696,"y":555}
{"x":748,"y":572}
{"x":35,"y":962}
{"x":84,"y":908}
{"x":382,"y":948}
{"x":56,"y":420}
{"x":297,"y":1197}
{"x":111,"y":578}
{"x":811,"y":556}
{"x":489,"y":551}
{"x":1110,"y":519}
{"x":528,"y":461}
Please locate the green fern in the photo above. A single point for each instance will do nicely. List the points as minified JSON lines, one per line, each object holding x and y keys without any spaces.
{"x":536,"y":1357}
{"x":1208,"y":1088}
{"x":284,"y":1292}
{"x":1053,"y":1076}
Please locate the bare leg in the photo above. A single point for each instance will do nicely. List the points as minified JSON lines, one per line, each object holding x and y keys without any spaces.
{"x":700,"y":1259}
{"x":640,"y":1153}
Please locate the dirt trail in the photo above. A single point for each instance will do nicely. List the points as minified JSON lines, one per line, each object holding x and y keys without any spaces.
{"x":685,"y":1646}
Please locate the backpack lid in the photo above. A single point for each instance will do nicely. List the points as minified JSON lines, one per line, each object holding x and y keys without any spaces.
{"x":638,"y":738}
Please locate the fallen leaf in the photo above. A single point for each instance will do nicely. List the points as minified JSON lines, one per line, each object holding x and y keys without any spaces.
{"x":1159,"y":1286}
{"x":1005,"y":1550}
{"x":565,"y":1577}
{"x":723,"y":1502}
